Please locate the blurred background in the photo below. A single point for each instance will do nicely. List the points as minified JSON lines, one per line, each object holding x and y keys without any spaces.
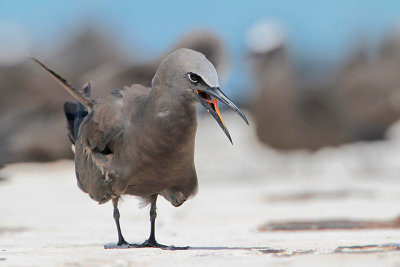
{"x":318,"y":80}
{"x":310,"y":74}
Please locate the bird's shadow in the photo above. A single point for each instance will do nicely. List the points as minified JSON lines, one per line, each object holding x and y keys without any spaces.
{"x":212,"y":248}
{"x":264,"y":249}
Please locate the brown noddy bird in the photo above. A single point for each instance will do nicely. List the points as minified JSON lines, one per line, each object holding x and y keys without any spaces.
{"x":140,"y":141}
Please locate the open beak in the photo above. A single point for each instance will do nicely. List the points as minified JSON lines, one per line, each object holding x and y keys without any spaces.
{"x":211,"y":105}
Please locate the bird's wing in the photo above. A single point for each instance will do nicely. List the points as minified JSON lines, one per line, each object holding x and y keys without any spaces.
{"x":98,"y":139}
{"x":106,"y":122}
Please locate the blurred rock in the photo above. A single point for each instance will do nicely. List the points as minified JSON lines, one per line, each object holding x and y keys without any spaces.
{"x":358,"y":104}
{"x":294,"y":115}
{"x":369,"y":89}
{"x":33,"y":125}
{"x":291,"y":112}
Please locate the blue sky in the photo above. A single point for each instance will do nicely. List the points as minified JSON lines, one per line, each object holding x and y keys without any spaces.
{"x":316,"y":29}
{"x":321,"y":24}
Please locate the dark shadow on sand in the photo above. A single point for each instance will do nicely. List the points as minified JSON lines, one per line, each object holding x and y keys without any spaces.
{"x":264,"y":249}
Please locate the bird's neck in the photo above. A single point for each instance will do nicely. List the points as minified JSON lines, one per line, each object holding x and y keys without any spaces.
{"x":171,"y":114}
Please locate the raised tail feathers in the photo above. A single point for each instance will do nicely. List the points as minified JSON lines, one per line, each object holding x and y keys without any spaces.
{"x":85,"y":101}
{"x":75,"y":112}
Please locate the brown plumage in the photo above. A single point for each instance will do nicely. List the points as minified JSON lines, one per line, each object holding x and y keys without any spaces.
{"x":140,"y":141}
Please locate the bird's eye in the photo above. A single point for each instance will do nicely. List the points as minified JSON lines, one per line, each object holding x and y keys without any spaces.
{"x":194,"y":78}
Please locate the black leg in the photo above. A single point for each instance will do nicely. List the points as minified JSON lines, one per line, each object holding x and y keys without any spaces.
{"x":151,"y":241}
{"x":153,"y":216}
{"x":121,"y":241}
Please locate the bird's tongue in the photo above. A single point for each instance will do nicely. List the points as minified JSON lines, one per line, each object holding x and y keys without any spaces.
{"x":213,"y":103}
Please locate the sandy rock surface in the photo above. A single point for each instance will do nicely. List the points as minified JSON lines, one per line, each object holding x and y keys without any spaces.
{"x":45,"y":220}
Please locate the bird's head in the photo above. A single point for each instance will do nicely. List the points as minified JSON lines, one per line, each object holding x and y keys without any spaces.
{"x":193,"y":76}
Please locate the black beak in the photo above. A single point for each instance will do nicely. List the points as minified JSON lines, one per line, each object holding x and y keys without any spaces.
{"x":218,"y":94}
{"x":211,"y":105}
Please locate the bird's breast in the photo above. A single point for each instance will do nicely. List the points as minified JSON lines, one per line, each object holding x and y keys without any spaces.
{"x":161,"y":160}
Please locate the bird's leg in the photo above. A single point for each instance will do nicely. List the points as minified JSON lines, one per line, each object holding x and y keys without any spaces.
{"x":121,"y":240}
{"x":151,"y":241}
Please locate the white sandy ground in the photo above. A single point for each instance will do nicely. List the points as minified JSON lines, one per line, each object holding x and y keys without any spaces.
{"x":45,"y":220}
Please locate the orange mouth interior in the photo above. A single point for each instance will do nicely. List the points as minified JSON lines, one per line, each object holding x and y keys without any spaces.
{"x":213,"y":103}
